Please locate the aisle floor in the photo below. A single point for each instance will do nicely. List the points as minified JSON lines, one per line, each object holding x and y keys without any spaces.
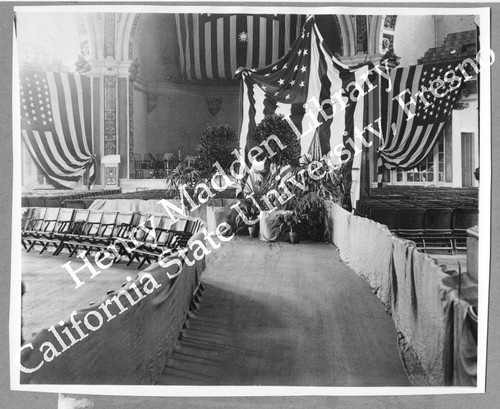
{"x":282,"y":314}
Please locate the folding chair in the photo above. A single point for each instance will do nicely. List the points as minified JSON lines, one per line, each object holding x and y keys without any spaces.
{"x":463,"y":219}
{"x":25,"y":224}
{"x":113,"y":232}
{"x":75,"y":228}
{"x":39,"y":229}
{"x":85,"y":232}
{"x":385,"y":215}
{"x":129,"y":236}
{"x":121,"y":230}
{"x":104,"y":234}
{"x":33,"y":222}
{"x":437,"y":233}
{"x":183,"y":229}
{"x":52,"y":236}
{"x":145,"y":236}
{"x":152,"y":248}
{"x":411,"y":222}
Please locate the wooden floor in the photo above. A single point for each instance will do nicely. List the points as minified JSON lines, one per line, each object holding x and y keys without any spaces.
{"x":50,"y":291}
{"x":282,"y":314}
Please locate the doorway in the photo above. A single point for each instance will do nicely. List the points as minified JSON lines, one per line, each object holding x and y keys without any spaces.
{"x":467,"y":159}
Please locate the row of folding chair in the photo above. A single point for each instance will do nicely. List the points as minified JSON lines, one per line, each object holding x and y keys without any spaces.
{"x":425,"y":191}
{"x":364,"y":206}
{"x":57,"y":201}
{"x":113,"y":232}
{"x":435,"y":229}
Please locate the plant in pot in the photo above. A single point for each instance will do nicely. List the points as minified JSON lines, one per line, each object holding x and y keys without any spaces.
{"x":261,"y":183}
{"x":217,"y":143}
{"x":311,"y":193}
{"x":248,"y":216}
{"x":290,"y":221}
{"x":182,"y":175}
{"x":286,"y":151}
{"x":310,"y":207}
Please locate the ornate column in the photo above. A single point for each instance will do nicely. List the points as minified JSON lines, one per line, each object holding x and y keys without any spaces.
{"x":111,"y":94}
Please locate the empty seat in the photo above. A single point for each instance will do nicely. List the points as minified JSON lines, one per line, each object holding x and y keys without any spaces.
{"x":411,"y":218}
{"x":51,"y":236}
{"x":463,"y":219}
{"x":41,"y":228}
{"x":385,"y":215}
{"x":411,"y":222}
{"x":70,"y":235}
{"x":438,"y":220}
{"x":437,"y":235}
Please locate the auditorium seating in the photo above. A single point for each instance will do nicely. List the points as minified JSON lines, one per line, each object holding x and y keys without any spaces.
{"x":438,"y":232}
{"x":59,"y":198}
{"x":463,"y":218}
{"x":139,"y":236}
{"x":436,"y":219}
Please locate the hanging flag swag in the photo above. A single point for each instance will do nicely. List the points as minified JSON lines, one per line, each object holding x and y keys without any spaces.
{"x":56,"y":125}
{"x":309,"y":86}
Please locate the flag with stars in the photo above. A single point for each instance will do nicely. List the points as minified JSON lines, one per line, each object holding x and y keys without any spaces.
{"x":301,"y":86}
{"x":213,"y":46}
{"x":429,"y":93}
{"x":56,"y":125}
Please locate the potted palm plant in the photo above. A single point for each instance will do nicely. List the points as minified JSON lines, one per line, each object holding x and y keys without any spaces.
{"x":249,"y":216}
{"x":217,"y":143}
{"x":290,"y":221}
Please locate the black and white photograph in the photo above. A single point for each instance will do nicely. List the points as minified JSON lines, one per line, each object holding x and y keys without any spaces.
{"x":250,"y":200}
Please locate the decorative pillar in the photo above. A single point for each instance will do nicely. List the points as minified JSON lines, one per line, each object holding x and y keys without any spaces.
{"x":114,"y":115}
{"x":110,"y":37}
{"x":114,"y":118}
{"x":109,"y":114}
{"x":110,"y":164}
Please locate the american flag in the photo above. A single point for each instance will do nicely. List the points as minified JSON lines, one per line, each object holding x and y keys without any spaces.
{"x":301,"y":86}
{"x":56,"y":125}
{"x":408,"y":137}
{"x":213,"y":46}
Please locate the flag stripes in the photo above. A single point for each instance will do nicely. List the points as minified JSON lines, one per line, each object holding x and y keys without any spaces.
{"x":410,"y":133}
{"x":213,"y":46}
{"x":56,"y":125}
{"x":300,"y":86}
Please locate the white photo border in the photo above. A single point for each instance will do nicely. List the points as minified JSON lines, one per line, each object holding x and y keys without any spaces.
{"x":231,"y":391}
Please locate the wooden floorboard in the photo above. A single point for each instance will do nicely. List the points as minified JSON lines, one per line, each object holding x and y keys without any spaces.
{"x":282,"y":314}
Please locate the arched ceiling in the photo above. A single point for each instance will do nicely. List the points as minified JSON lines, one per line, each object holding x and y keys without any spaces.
{"x":119,"y":32}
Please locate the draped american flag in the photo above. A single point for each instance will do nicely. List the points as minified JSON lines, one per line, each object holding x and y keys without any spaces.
{"x":301,"y":86}
{"x":408,"y":137}
{"x":213,"y":46}
{"x":56,"y":125}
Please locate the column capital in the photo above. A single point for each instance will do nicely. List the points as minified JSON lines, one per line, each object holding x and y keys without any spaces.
{"x":109,"y":66}
{"x":356,"y":59}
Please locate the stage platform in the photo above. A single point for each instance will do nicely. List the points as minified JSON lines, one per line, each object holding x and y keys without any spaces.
{"x":133,"y":185}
